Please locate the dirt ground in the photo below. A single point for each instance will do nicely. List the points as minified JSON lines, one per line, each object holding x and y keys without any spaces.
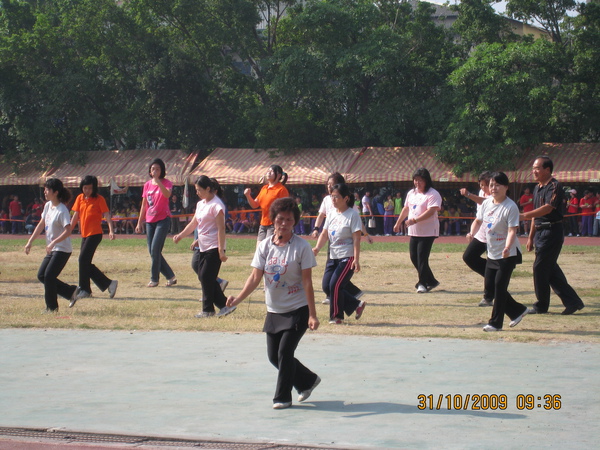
{"x":388,"y":279}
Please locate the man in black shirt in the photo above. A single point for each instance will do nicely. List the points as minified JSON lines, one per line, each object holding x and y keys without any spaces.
{"x":547,"y":236}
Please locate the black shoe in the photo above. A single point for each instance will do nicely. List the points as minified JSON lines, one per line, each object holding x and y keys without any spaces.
{"x":571,"y":310}
{"x":432,"y":286}
{"x":534,"y":310}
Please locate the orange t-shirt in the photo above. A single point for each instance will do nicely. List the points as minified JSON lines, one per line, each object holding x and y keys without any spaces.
{"x":266,"y":197}
{"x":90,"y":214}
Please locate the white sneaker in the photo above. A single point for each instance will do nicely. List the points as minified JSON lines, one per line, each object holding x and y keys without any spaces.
{"x":326,"y":301}
{"x":223,"y":283}
{"x":225,"y":310}
{"x":305,"y":394}
{"x":112,"y":288}
{"x":514,"y":323}
{"x":421,"y":289}
{"x":282,"y":405}
{"x":488,"y":327}
{"x":486,"y":302}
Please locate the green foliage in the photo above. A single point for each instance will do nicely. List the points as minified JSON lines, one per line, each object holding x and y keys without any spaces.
{"x":78,"y":75}
{"x":503,"y":96}
{"x":549,"y":14}
{"x":361,"y":74}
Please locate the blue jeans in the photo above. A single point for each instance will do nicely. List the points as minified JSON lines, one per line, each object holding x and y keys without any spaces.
{"x":156,"y":234}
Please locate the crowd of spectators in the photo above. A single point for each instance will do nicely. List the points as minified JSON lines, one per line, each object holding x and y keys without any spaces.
{"x":384,"y":205}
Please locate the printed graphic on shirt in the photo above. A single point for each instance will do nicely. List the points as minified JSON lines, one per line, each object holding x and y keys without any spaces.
{"x":337,"y":222}
{"x":488,"y":222}
{"x":275,"y":269}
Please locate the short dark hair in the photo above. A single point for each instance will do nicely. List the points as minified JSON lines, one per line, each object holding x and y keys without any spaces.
{"x":64,"y":195}
{"x":284,"y":204}
{"x":344,"y":191}
{"x":337,"y":178}
{"x":424,"y":173}
{"x":500,"y":178}
{"x":161,"y":163}
{"x":546,"y":162}
{"x":86,"y":181}
{"x":485,"y":176}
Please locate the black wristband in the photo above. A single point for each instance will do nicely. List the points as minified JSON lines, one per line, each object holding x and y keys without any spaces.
{"x":317,"y":229}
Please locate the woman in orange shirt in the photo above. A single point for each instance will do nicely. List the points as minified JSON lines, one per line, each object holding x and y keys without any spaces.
{"x":89,"y":209}
{"x":265,"y":198}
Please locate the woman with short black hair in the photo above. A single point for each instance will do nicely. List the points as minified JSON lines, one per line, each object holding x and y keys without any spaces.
{"x":421,"y":207}
{"x":157,"y":214}
{"x":285,"y":261}
{"x":56,"y":221}
{"x":499,"y":217}
{"x":89,"y":209}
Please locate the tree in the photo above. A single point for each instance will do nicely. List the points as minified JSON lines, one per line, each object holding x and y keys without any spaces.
{"x":502,"y":104}
{"x":478,"y":23}
{"x":360,"y":73}
{"x":576,"y":109}
{"x":549,"y":14}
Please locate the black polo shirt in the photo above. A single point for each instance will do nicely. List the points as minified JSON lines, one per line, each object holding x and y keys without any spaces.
{"x":550,"y":194}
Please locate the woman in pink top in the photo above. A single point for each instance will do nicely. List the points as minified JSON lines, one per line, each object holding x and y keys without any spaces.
{"x":155,"y":210}
{"x":209,"y":252}
{"x":421,"y":207}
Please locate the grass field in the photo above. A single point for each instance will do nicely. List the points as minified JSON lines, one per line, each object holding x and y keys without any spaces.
{"x":387,"y":277}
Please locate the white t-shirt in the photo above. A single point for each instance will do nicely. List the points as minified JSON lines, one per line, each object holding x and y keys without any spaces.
{"x":326,"y":206}
{"x":480,"y":235}
{"x":206,"y":215}
{"x":366,"y":201}
{"x":496,"y":220}
{"x":282,"y":268}
{"x":417,"y":204}
{"x":340,"y":228}
{"x":56,"y":219}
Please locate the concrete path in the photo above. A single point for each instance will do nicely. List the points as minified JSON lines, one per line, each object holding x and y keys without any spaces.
{"x":219,"y":386}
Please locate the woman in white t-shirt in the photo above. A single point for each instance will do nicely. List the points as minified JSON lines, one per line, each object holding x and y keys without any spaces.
{"x":209,"y":248}
{"x":343,"y":230}
{"x":421,"y":207}
{"x":56,"y":221}
{"x":285,"y":261}
{"x":499,"y":217}
{"x":477,"y":245}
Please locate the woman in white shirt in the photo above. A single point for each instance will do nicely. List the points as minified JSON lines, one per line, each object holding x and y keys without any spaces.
{"x":56,"y":221}
{"x":209,"y":248}
{"x":421,"y":207}
{"x":285,"y":261}
{"x":477,"y":245}
{"x":499,"y":216}
{"x":343,"y":229}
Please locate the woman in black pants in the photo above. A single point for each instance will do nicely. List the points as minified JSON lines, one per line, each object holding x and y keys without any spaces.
{"x":56,"y":221}
{"x":209,"y":248}
{"x":285,"y":261}
{"x":499,"y":217}
{"x":477,"y":244}
{"x":89,"y":209}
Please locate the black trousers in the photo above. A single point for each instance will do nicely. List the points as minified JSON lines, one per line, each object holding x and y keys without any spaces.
{"x":472,"y":258}
{"x":207,"y":265}
{"x":336,"y":278}
{"x":51,"y":267}
{"x":498,"y":272}
{"x":87,"y":270}
{"x":547,"y":273}
{"x":420,"y":248}
{"x":281,"y":347}
{"x":351,"y":288}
